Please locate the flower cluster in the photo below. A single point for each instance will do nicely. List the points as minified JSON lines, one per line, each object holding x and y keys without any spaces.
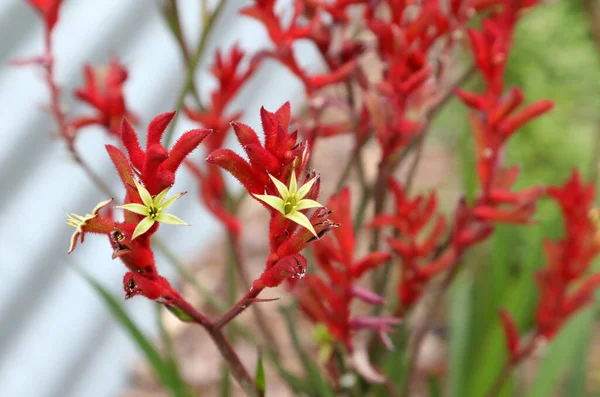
{"x":419,"y":257}
{"x":269,"y":176}
{"x":495,"y":118}
{"x":147,"y":177}
{"x":564,"y":284}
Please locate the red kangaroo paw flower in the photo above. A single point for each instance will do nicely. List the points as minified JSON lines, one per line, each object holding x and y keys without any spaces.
{"x":157,"y":128}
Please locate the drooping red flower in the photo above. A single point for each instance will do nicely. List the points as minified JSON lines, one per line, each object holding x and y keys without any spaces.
{"x":103,"y":91}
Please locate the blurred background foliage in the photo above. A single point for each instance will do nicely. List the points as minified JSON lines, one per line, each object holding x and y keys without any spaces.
{"x":554,"y":56}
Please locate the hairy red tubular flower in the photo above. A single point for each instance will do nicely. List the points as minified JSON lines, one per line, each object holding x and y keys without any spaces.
{"x":407,"y":39}
{"x":328,"y":300}
{"x":564,"y":284}
{"x":157,"y":289}
{"x":103,"y":91}
{"x":157,"y":165}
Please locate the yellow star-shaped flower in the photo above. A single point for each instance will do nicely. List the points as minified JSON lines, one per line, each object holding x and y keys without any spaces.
{"x":292,"y":200}
{"x":79,"y":222}
{"x":153,"y":209}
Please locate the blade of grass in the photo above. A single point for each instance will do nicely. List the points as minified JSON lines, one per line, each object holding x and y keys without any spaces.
{"x":259,"y":378}
{"x":435,"y":389}
{"x":164,"y":372}
{"x":520,"y":300}
{"x":461,"y":314}
{"x":562,"y":353}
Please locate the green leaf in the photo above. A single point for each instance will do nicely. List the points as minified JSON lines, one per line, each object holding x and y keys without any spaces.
{"x":490,"y":354}
{"x":165,"y":372}
{"x":461,"y":314}
{"x":180,"y":314}
{"x":435,"y":389}
{"x":259,"y":379}
{"x":563,"y":353}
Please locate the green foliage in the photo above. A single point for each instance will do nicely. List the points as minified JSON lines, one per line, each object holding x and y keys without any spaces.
{"x":564,"y":351}
{"x":259,"y":378}
{"x":549,"y":61}
{"x":165,"y":370}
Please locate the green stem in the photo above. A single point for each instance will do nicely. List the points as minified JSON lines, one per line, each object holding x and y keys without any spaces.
{"x":189,"y":85}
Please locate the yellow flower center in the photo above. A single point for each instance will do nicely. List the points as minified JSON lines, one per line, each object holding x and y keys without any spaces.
{"x":290,"y":204}
{"x":153,"y":211}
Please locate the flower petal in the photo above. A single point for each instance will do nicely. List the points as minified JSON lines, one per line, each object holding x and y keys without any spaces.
{"x":302,"y":220}
{"x":135,"y":208}
{"x":170,"y":219}
{"x":293,"y":183}
{"x":142,"y":227}
{"x":273,"y":201}
{"x":101,"y":205}
{"x":306,"y":204}
{"x":160,"y":197}
{"x":144,"y":194}
{"x":169,"y":202}
{"x":303,"y":191}
{"x":281,"y":188}
{"x":73,"y":241}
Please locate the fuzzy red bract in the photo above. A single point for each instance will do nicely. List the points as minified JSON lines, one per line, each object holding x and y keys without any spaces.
{"x":157,"y":165}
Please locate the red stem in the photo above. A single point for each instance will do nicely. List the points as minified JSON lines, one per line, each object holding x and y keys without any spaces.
{"x":508,"y":368}
{"x":235,"y":365}
{"x":238,"y":308}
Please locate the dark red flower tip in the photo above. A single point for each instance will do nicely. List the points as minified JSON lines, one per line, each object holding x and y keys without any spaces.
{"x":511,"y":334}
{"x":48,"y":10}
